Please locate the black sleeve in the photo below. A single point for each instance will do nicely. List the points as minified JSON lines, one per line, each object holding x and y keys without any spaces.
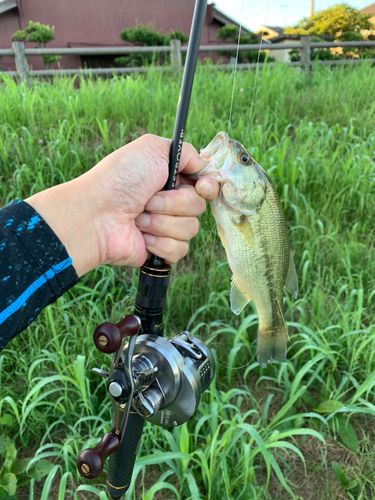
{"x":35,"y":268}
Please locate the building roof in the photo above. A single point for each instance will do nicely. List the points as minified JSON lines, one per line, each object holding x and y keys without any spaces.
{"x":269,"y":31}
{"x":223,"y":18}
{"x":7,"y":5}
{"x":370,"y":9}
{"x":277,"y":29}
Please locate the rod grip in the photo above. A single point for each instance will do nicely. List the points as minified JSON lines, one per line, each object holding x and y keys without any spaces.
{"x":121,"y":463}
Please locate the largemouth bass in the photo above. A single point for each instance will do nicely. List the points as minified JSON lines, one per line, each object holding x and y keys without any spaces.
{"x":253,"y":231}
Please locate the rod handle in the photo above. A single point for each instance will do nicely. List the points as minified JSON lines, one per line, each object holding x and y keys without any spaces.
{"x":121,"y":464}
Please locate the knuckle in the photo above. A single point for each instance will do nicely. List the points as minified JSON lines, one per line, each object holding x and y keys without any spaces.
{"x":184,"y":248}
{"x":202,"y":205}
{"x":176,"y":250}
{"x":193,"y":227}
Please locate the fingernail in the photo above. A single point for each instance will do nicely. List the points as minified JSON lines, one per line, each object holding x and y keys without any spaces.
{"x":149,"y":239}
{"x":143,"y":220}
{"x":205,"y":188}
{"x":155,"y":204}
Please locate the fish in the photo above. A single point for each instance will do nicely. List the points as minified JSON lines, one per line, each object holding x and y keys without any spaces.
{"x":253,"y":231}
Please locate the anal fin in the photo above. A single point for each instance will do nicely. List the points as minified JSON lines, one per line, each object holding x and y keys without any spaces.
{"x":238,"y":299}
{"x":291,"y":283}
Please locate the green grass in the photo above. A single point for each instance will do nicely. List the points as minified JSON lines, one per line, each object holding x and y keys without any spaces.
{"x":256,"y":430}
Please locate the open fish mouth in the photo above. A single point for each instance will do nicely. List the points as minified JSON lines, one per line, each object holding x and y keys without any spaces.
{"x":217,"y":147}
{"x":214,"y":154}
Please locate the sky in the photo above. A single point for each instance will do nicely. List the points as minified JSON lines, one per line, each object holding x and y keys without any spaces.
{"x":277,"y":12}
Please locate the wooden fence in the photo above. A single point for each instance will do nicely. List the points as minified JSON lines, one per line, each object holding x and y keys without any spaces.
{"x":20,"y":53}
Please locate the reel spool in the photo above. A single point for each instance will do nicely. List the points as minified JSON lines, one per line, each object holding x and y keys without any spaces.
{"x":182,"y":368}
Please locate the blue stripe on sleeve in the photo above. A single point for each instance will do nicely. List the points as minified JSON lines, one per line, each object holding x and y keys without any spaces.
{"x":18,"y":303}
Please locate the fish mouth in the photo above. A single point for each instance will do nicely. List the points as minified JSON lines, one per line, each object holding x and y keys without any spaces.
{"x":217,"y":147}
{"x":212,"y":154}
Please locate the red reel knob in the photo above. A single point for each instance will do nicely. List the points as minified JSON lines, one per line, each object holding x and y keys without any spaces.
{"x":108,"y":336}
{"x":90,"y":462}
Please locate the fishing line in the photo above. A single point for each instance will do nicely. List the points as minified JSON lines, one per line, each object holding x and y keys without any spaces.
{"x":248,"y":5}
{"x":237,"y":367}
{"x":229,"y":121}
{"x":229,"y":124}
{"x":235,"y":69}
{"x":257,"y":70}
{"x":198,"y":265}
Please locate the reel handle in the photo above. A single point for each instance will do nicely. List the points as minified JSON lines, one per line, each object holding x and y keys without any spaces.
{"x":108,"y":337}
{"x":90,"y":462}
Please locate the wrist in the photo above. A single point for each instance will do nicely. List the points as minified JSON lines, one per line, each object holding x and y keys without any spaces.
{"x":67,"y":209}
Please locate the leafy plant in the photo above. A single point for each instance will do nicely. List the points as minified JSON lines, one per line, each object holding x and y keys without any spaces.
{"x":14,"y":474}
{"x":332,"y":21}
{"x":19,"y":36}
{"x":348,"y":486}
{"x":142,"y":36}
{"x":315,"y":136}
{"x":340,"y":424}
{"x":230,"y":32}
{"x":48,"y":60}
{"x":40,"y":34}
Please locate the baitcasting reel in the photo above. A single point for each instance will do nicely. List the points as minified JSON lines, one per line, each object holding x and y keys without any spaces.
{"x":159,"y":379}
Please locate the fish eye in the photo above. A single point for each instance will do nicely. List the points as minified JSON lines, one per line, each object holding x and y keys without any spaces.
{"x":244,"y":158}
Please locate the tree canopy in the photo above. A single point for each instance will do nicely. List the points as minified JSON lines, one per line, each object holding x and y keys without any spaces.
{"x":332,"y":21}
{"x":40,"y":34}
{"x":146,"y":35}
{"x":142,"y":35}
{"x":230,"y":33}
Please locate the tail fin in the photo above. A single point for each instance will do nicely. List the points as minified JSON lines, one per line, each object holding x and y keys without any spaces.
{"x":272,"y":348}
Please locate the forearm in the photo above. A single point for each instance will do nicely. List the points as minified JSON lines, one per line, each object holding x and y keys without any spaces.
{"x":35,"y":268}
{"x":68,"y":210}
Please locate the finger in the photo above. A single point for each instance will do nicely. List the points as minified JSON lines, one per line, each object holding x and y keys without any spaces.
{"x":184,"y":201}
{"x":180,"y":228}
{"x":167,"y":248}
{"x":190,"y":161}
{"x":207,"y":187}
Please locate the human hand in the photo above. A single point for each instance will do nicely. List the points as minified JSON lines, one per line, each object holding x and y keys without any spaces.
{"x":111,"y":215}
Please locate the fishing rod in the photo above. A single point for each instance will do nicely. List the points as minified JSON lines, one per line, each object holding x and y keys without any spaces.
{"x":151,"y":378}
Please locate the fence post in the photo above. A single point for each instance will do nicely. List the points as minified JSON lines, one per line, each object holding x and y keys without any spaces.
{"x":21,"y":61}
{"x":176,"y":53}
{"x":306,"y":51}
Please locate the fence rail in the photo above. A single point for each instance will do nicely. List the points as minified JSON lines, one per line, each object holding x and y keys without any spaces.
{"x":175,"y":49}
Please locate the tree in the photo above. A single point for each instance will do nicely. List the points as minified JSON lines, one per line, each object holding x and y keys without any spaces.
{"x":40,"y":34}
{"x":230,"y":32}
{"x":332,"y":21}
{"x":142,"y":36}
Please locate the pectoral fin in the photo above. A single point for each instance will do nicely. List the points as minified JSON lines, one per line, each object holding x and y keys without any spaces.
{"x":246,"y":230}
{"x":238,"y":299}
{"x":291,"y":283}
